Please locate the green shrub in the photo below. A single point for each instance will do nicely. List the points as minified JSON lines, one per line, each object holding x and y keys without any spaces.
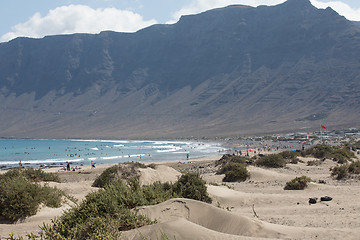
{"x":99,"y":228}
{"x":34,"y":175}
{"x":290,"y":156}
{"x":125,"y":171}
{"x":158,"y":192}
{"x":37,"y":175}
{"x":354,"y":167}
{"x":109,"y":205}
{"x":340,"y":172}
{"x":298,"y":183}
{"x":20,"y":198}
{"x":228,"y":158}
{"x":345,"y":170}
{"x":271,"y":161}
{"x":319,"y":151}
{"x":51,"y":196}
{"x":336,"y":153}
{"x":191,"y":185}
{"x":314,"y":163}
{"x":106,"y":177}
{"x":234,"y":172}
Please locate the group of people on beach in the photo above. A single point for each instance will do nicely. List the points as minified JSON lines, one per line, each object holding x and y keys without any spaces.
{"x":68,"y":167}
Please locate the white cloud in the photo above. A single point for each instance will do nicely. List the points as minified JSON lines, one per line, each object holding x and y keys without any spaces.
{"x":78,"y":19}
{"x":198,"y":6}
{"x":342,"y":8}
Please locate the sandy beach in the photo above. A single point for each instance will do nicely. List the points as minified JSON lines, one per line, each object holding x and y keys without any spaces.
{"x":258,"y":208}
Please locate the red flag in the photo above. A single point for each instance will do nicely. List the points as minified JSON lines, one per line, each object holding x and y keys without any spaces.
{"x":322,"y":126}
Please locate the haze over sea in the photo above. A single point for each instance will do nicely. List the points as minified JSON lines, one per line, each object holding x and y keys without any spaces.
{"x":36,"y":152}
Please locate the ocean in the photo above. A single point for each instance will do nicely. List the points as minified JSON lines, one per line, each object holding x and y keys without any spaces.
{"x":52,"y":153}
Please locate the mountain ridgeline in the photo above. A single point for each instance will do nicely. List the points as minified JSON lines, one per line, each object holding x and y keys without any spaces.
{"x":228,"y":71}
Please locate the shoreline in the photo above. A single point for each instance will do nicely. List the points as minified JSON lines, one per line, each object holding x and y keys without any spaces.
{"x":36,"y":153}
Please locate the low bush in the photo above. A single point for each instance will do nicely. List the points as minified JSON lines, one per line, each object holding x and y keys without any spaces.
{"x":354,"y":167}
{"x":228,"y":158}
{"x":314,"y":162}
{"x":298,"y":183}
{"x":106,"y":177}
{"x":336,"y":153}
{"x":271,"y":161}
{"x":234,"y":172}
{"x":34,"y":175}
{"x":346,"y":170}
{"x":20,"y":198}
{"x":290,"y":156}
{"x":191,"y":185}
{"x":340,"y":171}
{"x":125,"y":171}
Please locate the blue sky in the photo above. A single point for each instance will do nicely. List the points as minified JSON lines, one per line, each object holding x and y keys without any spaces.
{"x":37,"y":18}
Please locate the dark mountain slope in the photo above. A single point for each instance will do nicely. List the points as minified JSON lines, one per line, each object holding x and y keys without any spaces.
{"x":226,"y":71}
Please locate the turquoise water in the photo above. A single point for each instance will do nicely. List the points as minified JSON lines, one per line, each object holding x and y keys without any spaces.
{"x":33,"y":153}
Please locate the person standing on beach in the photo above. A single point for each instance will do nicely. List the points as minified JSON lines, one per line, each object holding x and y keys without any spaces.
{"x":68,"y":166}
{"x":92,"y":164}
{"x":20,"y":164}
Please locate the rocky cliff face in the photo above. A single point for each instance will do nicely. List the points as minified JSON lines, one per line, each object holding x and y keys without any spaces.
{"x":235,"y":70}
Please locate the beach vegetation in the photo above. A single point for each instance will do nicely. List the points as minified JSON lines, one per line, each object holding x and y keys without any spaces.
{"x":228,"y":158}
{"x":106,"y":177}
{"x":103,"y":214}
{"x":354,"y":167}
{"x":290,"y":156}
{"x":191,"y":185}
{"x":234,"y":172}
{"x":271,"y":161}
{"x":21,"y":197}
{"x":340,"y":171}
{"x":314,"y":162}
{"x":346,"y":170}
{"x":298,"y":183}
{"x":125,"y":171}
{"x":33,"y":175}
{"x":336,"y":153}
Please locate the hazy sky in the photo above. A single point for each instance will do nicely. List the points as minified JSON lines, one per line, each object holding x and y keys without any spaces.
{"x":37,"y":18}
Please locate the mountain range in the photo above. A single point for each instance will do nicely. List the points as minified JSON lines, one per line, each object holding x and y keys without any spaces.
{"x":230,"y":71}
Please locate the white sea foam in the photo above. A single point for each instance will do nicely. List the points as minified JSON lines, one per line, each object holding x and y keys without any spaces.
{"x":167,"y":150}
{"x":59,"y":160}
{"x":95,"y":149}
{"x":119,"y":145}
{"x":94,"y":140}
{"x":112,"y":157}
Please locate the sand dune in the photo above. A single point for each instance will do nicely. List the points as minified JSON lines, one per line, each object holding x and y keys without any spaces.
{"x":161,"y":173}
{"x":200,"y":218}
{"x":180,"y":229}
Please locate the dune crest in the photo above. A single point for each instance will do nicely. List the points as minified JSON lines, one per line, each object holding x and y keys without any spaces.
{"x":161,"y":173}
{"x":202,"y":217}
